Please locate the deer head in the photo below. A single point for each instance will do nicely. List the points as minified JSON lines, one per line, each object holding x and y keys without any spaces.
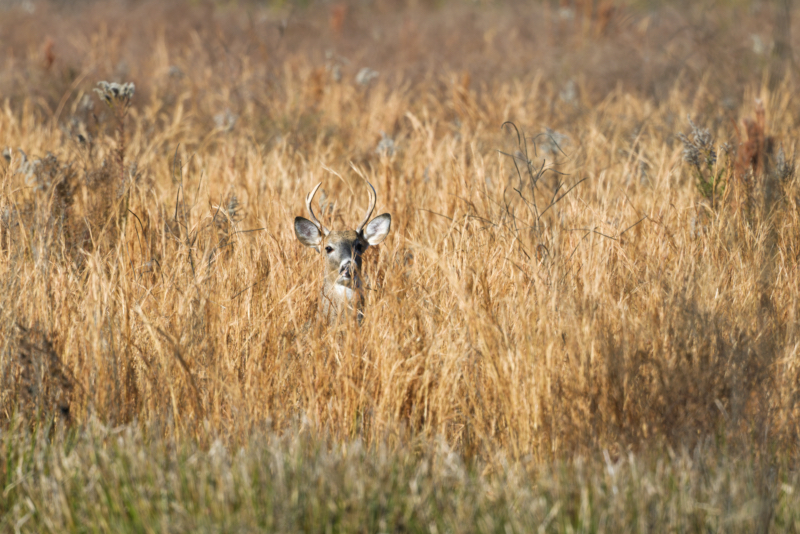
{"x":342,"y":251}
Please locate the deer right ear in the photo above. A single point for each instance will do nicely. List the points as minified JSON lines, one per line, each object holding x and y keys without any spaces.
{"x":377,"y":229}
{"x":307,"y":232}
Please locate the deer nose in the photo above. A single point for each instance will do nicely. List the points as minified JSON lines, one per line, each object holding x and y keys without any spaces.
{"x":346,"y":268}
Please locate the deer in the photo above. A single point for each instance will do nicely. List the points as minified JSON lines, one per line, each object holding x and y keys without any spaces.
{"x":342,"y":250}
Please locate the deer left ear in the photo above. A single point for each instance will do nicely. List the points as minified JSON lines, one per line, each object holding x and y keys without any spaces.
{"x":307,"y":232}
{"x":377,"y":229}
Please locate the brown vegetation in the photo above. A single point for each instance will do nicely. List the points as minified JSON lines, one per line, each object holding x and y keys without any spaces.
{"x":541,"y":295}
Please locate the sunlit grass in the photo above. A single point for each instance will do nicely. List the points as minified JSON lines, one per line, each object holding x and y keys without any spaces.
{"x":122,"y":480}
{"x":566,"y":327}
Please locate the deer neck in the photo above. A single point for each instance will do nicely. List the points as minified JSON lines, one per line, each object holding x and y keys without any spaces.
{"x":338,"y":296}
{"x":343,"y":290}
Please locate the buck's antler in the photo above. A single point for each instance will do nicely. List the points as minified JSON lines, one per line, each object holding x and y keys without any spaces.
{"x":314,"y":220}
{"x":373,"y":197}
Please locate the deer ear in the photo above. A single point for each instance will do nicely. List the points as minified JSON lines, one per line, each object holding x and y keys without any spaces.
{"x":307,"y":232}
{"x":378,"y":228}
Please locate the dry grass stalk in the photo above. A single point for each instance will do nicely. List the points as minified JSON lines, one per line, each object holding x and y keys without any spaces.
{"x":507,"y":311}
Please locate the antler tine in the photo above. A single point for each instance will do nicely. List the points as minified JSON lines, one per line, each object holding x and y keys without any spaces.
{"x":373,"y":197}
{"x":314,"y":219}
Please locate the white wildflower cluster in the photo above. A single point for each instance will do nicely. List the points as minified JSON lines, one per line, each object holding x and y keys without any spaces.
{"x":226,"y":120}
{"x":175,"y":72}
{"x":334,"y":64}
{"x":29,"y":168}
{"x":114,"y":94}
{"x":551,"y":142}
{"x":40,"y":173}
{"x":366,"y":75}
{"x":385,"y":145}
{"x":569,"y":94}
{"x":698,"y":150}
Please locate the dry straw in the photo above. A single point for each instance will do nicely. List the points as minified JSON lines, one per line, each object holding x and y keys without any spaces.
{"x":539,"y":295}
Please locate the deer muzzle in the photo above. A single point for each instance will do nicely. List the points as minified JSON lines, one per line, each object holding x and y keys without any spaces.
{"x":347,"y":270}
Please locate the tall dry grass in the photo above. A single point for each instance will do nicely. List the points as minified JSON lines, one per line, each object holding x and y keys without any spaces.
{"x":172,"y":291}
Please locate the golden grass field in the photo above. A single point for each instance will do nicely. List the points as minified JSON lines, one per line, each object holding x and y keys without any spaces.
{"x":577,"y":302}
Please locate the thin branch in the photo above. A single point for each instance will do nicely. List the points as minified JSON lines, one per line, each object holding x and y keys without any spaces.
{"x":435,"y":213}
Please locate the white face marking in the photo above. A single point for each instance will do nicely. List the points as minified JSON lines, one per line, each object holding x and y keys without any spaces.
{"x":343,"y":292}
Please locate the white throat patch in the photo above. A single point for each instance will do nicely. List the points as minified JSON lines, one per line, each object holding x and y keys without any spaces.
{"x":344,"y":292}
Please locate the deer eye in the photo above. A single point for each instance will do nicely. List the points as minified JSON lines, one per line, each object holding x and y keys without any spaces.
{"x":329,"y":249}
{"x":359,"y":248}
